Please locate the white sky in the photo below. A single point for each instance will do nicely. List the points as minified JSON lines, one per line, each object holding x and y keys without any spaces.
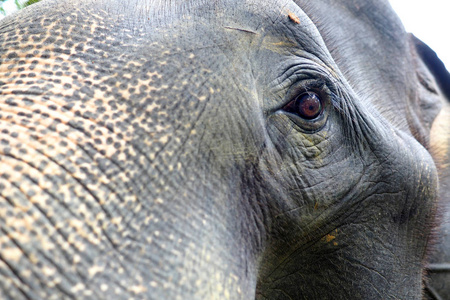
{"x":9,"y":7}
{"x":429,"y":20}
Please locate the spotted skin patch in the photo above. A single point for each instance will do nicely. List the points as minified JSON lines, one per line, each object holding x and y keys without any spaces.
{"x":86,"y":115}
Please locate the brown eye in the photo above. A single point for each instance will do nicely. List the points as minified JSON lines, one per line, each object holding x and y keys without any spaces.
{"x":307,"y":106}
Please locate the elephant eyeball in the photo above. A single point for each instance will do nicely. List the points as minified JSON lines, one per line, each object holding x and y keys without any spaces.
{"x":307,"y":106}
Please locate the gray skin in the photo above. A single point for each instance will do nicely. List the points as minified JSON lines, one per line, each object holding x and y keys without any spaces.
{"x":147,"y":151}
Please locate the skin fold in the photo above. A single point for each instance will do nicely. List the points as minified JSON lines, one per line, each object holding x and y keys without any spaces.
{"x":154,"y":150}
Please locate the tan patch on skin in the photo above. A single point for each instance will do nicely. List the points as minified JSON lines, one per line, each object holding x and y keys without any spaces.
{"x":47,"y":271}
{"x":12,"y":254}
{"x":94,"y":270}
{"x":293,"y":17}
{"x":330,"y":237}
{"x":440,"y":138}
{"x":78,"y":288}
{"x":80,"y":229}
{"x":277,"y":44}
{"x":138,"y":289}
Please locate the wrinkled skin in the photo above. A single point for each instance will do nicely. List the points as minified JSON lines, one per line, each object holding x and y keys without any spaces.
{"x":146,"y":151}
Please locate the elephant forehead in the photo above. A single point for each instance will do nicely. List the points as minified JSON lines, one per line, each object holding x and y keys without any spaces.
{"x":86,"y":105}
{"x":88,"y":71}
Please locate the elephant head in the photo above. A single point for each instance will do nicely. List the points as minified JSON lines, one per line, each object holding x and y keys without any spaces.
{"x":215,"y":150}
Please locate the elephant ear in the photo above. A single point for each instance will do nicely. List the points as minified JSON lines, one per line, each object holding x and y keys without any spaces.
{"x":434,"y":64}
{"x":434,"y":103}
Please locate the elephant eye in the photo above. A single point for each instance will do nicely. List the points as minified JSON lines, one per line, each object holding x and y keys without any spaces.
{"x":307,"y":106}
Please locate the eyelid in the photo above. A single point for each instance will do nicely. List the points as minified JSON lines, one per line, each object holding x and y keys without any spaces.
{"x":310,"y":85}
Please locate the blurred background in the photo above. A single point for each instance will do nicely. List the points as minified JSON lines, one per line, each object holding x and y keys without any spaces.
{"x":429,"y":20}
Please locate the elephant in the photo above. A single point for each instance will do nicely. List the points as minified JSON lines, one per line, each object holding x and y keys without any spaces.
{"x":198,"y":149}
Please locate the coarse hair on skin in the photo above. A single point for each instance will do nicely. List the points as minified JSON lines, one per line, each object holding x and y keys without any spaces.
{"x":154,"y":12}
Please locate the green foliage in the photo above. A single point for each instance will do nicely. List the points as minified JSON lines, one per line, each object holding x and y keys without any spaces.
{"x":29,"y":2}
{"x":19,"y":4}
{"x":2,"y":11}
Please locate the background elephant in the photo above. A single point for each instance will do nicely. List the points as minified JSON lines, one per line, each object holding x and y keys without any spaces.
{"x":217,"y":150}
{"x":439,"y":267}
